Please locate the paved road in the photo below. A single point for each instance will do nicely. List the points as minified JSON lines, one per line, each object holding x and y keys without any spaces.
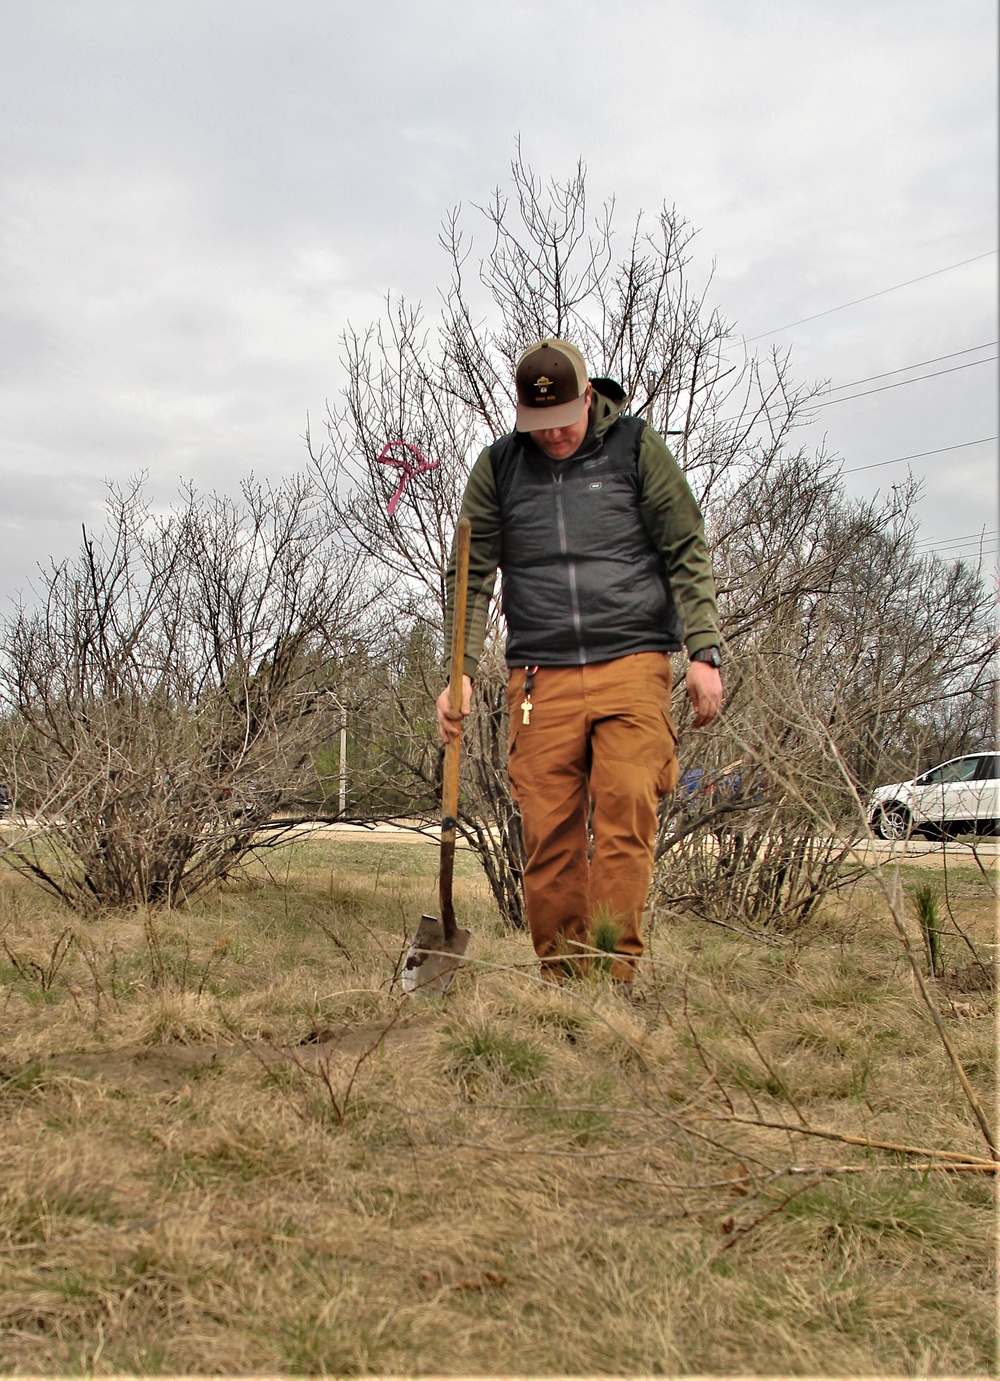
{"x":923,"y":848}
{"x":926,"y":850}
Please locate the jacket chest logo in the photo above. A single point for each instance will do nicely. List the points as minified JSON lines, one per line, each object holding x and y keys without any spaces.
{"x":595,"y":461}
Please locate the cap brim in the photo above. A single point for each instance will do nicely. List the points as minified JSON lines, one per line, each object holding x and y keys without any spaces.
{"x":541,"y":419}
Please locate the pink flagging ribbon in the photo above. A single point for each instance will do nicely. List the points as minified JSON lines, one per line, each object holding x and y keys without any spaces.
{"x":407,"y":467}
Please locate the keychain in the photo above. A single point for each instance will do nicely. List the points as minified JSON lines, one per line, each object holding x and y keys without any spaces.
{"x":526,"y":705}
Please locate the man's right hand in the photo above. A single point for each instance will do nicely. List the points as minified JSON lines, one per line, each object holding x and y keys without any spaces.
{"x":449,"y":720}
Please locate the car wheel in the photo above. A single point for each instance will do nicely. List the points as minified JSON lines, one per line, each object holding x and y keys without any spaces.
{"x":892,"y":822}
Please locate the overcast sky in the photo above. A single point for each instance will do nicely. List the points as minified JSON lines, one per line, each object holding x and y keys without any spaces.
{"x":198,"y":195}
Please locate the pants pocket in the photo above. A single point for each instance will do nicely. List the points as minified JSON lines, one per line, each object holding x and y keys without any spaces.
{"x":669,"y":773}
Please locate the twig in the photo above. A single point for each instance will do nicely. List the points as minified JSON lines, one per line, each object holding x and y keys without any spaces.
{"x":767,"y":1064}
{"x":331,"y":935}
{"x":741,"y":1232}
{"x":987,"y":1167}
{"x":979,"y":865}
{"x":323,"y":1070}
{"x":961,"y":1157}
{"x":723,"y":925}
{"x":947,"y":902}
{"x":698,"y":1050}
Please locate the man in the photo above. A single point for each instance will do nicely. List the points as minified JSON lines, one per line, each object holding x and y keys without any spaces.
{"x":605,"y":572}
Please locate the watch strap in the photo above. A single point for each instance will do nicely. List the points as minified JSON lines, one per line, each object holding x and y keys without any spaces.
{"x":712,"y":655}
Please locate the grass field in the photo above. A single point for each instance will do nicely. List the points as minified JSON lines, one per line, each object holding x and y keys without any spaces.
{"x":230,"y":1145}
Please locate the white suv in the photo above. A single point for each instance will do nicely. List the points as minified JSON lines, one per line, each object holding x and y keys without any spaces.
{"x":960,"y":796}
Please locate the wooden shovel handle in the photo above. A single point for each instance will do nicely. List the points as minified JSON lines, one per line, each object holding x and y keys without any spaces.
{"x":453,"y":750}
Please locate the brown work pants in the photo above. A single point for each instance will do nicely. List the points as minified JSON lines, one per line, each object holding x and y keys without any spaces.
{"x":599,"y":738}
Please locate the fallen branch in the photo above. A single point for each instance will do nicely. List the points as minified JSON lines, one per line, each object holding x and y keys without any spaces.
{"x":959,"y":1157}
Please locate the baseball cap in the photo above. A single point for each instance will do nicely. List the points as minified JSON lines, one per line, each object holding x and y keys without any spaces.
{"x":551,"y":380}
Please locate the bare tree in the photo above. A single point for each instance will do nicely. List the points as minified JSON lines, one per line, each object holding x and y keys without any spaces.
{"x":835,"y":621}
{"x":165,"y":698}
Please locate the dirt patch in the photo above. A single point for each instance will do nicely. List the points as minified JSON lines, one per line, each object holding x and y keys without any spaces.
{"x":157,"y":1068}
{"x":164,"y":1068}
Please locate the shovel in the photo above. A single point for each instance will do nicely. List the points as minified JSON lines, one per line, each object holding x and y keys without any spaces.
{"x":438,"y":945}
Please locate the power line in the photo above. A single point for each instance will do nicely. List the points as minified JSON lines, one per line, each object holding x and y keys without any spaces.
{"x":835,"y":388}
{"x":986,"y":544}
{"x":935,"y":374}
{"x":980,"y":544}
{"x":975,"y":537}
{"x":961,"y":555}
{"x":966,"y":537}
{"x":902,"y":382}
{"x":881,"y":293}
{"x":918,"y":455}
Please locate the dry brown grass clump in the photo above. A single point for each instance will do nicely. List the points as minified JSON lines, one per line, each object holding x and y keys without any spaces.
{"x":231,"y":1146}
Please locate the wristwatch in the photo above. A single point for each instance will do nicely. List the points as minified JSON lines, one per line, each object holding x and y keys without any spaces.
{"x":712,"y":655}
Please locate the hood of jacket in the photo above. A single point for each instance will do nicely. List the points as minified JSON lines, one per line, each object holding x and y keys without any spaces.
{"x":610,"y":400}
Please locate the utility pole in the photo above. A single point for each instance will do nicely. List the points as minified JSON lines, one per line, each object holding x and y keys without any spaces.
{"x":342,"y":795}
{"x":651,"y":382}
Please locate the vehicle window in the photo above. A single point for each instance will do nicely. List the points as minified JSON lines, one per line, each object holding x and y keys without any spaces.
{"x":990,"y":769}
{"x":964,"y":770}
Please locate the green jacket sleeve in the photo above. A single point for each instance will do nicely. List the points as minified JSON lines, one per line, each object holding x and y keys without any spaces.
{"x":674,"y":522}
{"x":479,"y":505}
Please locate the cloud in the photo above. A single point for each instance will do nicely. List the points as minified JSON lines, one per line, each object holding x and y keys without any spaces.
{"x":200,"y":197}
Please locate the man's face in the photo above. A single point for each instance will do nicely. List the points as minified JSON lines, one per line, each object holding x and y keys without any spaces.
{"x":559,"y":443}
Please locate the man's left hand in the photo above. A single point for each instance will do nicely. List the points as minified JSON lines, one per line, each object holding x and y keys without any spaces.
{"x":704,"y":688}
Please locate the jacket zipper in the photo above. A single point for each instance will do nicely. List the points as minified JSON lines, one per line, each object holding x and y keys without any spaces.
{"x":571,"y":568}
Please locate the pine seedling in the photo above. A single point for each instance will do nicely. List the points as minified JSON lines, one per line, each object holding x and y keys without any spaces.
{"x":605,"y":939}
{"x":925,"y":897}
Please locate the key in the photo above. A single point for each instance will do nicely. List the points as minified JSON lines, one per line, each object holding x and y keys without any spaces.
{"x":526,"y":705}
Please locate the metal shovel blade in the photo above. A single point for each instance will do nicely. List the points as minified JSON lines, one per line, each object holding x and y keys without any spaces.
{"x":432,"y":962}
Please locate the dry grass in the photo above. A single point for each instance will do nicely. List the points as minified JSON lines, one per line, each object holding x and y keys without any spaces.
{"x":513,"y":1179}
